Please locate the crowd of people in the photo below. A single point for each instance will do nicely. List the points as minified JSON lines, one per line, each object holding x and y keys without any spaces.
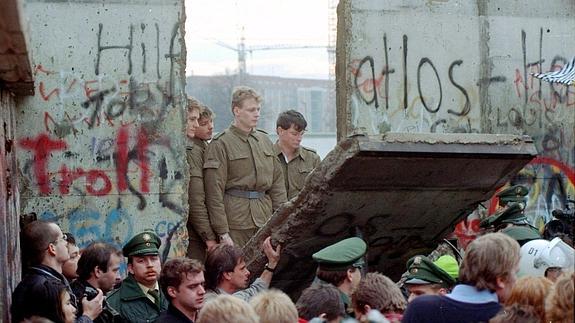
{"x":238,"y":178}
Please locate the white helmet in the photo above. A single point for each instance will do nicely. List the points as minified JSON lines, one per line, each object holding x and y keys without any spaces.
{"x":538,"y":255}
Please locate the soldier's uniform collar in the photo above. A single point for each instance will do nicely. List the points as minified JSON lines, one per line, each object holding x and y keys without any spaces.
{"x":241,"y":134}
{"x":278,"y":150}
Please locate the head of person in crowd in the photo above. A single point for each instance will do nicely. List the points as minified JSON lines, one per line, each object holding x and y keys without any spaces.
{"x":516,"y":313}
{"x":44,"y":243}
{"x":290,"y":127}
{"x":274,"y":306}
{"x":320,"y":301}
{"x":426,"y":277}
{"x":246,"y":106}
{"x":57,"y":304}
{"x":182,"y":281}
{"x":205,"y":124}
{"x":194,"y":108}
{"x":340,"y":264}
{"x":543,"y":258}
{"x":491,"y":262}
{"x":226,"y":269}
{"x":559,"y":303}
{"x":100,"y":266}
{"x":531,"y":291}
{"x":71,"y":265}
{"x":377,"y":291}
{"x":144,"y":258}
{"x":227,"y":309}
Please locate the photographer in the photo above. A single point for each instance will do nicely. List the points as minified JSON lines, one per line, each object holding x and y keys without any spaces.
{"x":98,"y":268}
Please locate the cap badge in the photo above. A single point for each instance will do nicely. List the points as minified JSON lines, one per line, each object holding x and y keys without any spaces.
{"x":146,"y":237}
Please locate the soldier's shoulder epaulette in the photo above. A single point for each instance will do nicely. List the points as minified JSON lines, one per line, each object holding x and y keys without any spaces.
{"x":219,"y":135}
{"x":309,"y":149}
{"x":262,"y":130}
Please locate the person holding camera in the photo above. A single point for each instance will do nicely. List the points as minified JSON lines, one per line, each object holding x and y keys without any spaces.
{"x":45,"y":250}
{"x":98,"y":268}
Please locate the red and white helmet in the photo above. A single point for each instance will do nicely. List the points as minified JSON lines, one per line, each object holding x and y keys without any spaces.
{"x":538,"y":255}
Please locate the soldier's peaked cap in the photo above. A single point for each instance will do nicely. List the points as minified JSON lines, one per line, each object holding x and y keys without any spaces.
{"x":422,"y":271}
{"x":341,"y":255}
{"x":144,"y":243}
{"x":515,"y":193}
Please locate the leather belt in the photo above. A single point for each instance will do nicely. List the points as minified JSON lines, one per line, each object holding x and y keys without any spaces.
{"x":252,"y":195}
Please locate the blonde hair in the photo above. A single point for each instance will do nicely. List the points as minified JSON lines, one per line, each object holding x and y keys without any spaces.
{"x":274,"y":306}
{"x":531,"y":291}
{"x":492,"y":256}
{"x":227,"y":309}
{"x":380,"y":293}
{"x":559,"y":303}
{"x":193,"y":104}
{"x":242,"y":93}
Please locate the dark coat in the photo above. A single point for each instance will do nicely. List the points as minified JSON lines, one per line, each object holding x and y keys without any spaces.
{"x":173,"y":315}
{"x":133,"y":305}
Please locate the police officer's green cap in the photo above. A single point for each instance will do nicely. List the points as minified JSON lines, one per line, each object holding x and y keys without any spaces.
{"x":341,"y":255}
{"x":522,"y":233}
{"x":512,"y":213}
{"x":511,"y":194}
{"x":422,"y":271}
{"x":144,"y":243}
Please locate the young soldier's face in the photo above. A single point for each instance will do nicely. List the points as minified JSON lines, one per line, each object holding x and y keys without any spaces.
{"x":290,"y":138}
{"x":192,"y":123}
{"x":247,"y":114}
{"x":205,"y":129}
{"x":146,"y":269}
{"x":416,"y":290}
{"x":190,"y":293}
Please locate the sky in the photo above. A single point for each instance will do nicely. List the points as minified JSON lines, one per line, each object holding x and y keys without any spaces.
{"x":265,"y":23}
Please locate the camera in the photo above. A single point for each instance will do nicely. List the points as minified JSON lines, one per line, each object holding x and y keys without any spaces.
{"x":90,"y":293}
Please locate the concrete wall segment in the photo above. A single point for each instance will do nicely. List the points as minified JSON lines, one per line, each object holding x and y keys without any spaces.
{"x":463,"y":67}
{"x":102,"y":145}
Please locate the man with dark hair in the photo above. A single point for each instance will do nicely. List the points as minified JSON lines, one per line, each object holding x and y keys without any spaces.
{"x":226,"y":271}
{"x":487,"y":275}
{"x":297,"y":161}
{"x":98,"y":268}
{"x":340,"y":265}
{"x":139,"y":298}
{"x":377,"y":292}
{"x":182,"y":282}
{"x":321,"y":301}
{"x":244,"y":182}
{"x":44,"y":247}
{"x":71,"y":265}
{"x":200,"y":233}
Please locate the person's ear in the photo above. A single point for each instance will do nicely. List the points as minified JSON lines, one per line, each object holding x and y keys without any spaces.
{"x":131,"y":268}
{"x":172,"y":292}
{"x":442,"y":291}
{"x":366,"y":309}
{"x":234,"y":110}
{"x":227,"y":275}
{"x":51,"y":249}
{"x":501,"y":282}
{"x":350,"y":274}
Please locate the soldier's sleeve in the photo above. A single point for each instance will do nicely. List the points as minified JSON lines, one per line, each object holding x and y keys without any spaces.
{"x":278,"y":190}
{"x":198,"y":215}
{"x":215,"y":175}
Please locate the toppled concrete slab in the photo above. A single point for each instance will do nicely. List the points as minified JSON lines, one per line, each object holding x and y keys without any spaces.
{"x":399,"y":192}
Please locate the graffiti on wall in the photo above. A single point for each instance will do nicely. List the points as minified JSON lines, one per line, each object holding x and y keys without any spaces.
{"x":405,"y":92}
{"x":105,"y":159}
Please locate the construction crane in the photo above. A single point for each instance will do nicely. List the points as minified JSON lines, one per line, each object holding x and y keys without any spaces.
{"x":242,"y":50}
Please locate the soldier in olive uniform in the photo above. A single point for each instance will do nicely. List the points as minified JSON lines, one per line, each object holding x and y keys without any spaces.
{"x":200,"y":233}
{"x":426,"y":277}
{"x":243,"y":178}
{"x":139,"y":298}
{"x":297,"y":161}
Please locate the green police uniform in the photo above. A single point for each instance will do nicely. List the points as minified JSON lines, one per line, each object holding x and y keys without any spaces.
{"x":341,"y":256}
{"x":422,"y":271}
{"x":512,"y":213}
{"x":522,"y":233}
{"x":243,"y":182}
{"x":199,"y":228}
{"x":129,"y":300}
{"x":296,"y":170}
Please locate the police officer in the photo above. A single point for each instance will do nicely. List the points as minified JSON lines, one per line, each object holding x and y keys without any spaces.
{"x":297,"y":161}
{"x":243,"y":179}
{"x":428,"y":278}
{"x":200,"y":233}
{"x":139,"y":298}
{"x":340,"y":265}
